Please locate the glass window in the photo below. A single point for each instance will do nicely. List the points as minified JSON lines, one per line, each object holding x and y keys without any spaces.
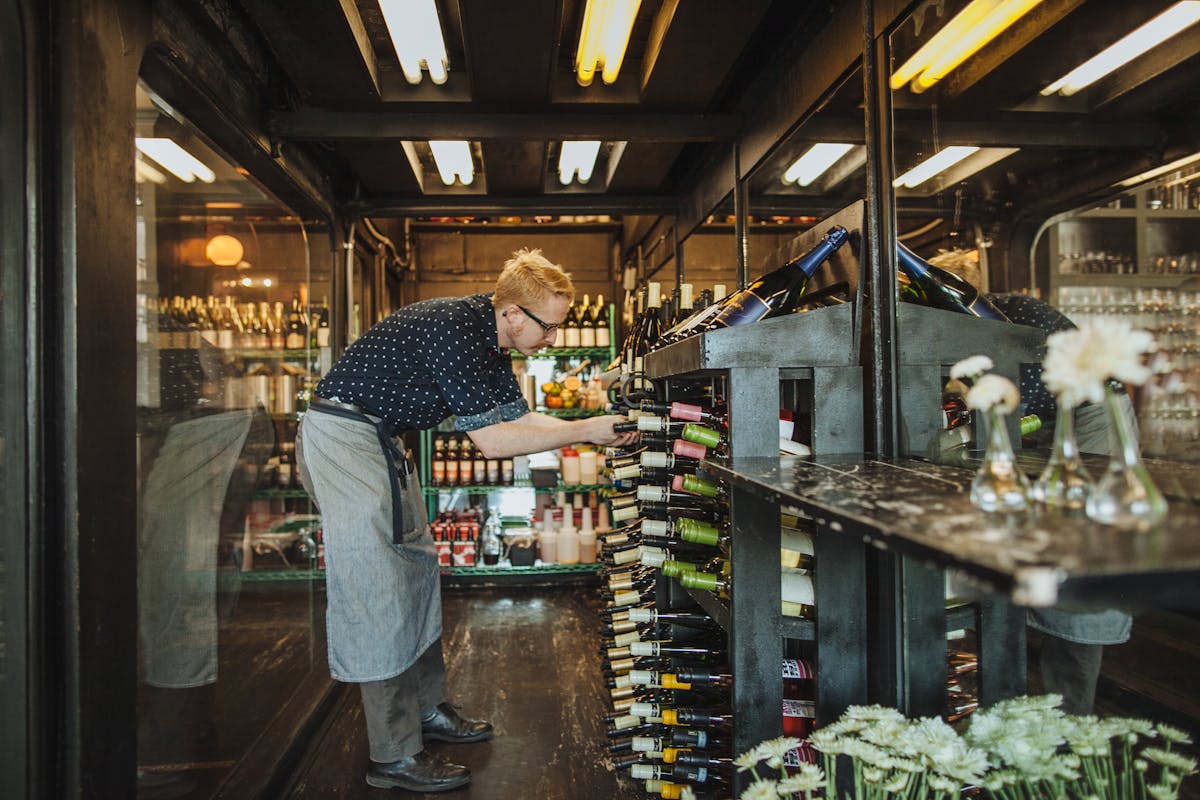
{"x":231,"y":337}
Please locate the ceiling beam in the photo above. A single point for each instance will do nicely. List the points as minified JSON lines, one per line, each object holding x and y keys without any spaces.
{"x":483,"y":205}
{"x":325,"y":125}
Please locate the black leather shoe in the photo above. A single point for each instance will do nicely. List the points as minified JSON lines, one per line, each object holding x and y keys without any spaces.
{"x":445,"y":725}
{"x":423,"y":772}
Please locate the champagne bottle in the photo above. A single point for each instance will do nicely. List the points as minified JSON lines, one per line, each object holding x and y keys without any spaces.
{"x":587,"y":325}
{"x":928,"y":285}
{"x":278,"y":328}
{"x":297,"y":337}
{"x":653,"y":328}
{"x":684,"y":309}
{"x":778,"y":292}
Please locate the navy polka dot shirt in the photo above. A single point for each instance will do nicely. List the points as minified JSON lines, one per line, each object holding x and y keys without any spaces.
{"x":428,"y":361}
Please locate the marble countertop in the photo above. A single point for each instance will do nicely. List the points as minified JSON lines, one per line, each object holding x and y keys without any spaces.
{"x":922,"y":509}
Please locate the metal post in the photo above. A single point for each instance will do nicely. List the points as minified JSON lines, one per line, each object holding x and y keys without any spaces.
{"x":741,"y":229}
{"x":879,"y":278}
{"x":678,"y":256}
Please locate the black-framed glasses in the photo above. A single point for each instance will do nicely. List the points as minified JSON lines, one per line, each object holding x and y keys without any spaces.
{"x":547,"y":329}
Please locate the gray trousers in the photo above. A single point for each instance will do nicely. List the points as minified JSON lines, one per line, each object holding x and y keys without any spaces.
{"x":395,"y":707}
{"x":1071,"y":670}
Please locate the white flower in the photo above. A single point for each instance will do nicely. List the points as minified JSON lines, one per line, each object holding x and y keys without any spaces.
{"x":971,"y":367}
{"x":994,"y":391}
{"x":807,"y":780}
{"x":1172,"y":734}
{"x":773,"y":751}
{"x":761,"y":790}
{"x":1161,"y":791}
{"x":1171,"y":760}
{"x":747,"y":760}
{"x":1078,"y":362}
{"x":897,"y":783}
{"x":827,"y":741}
{"x":875,"y":712}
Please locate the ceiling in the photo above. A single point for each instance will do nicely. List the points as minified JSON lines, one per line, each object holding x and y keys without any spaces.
{"x":700,"y":76}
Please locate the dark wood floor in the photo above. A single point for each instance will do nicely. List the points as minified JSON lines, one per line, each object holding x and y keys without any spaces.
{"x":529,"y":662}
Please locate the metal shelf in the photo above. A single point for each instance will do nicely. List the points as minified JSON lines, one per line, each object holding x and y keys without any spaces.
{"x":572,"y":413}
{"x":565,"y":352}
{"x":270,"y":494}
{"x":562,"y":487}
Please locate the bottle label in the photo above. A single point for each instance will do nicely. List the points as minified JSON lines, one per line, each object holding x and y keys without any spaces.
{"x":747,"y":307}
{"x":699,"y":486}
{"x":699,"y":580}
{"x":681,"y":447}
{"x":687,"y":412}
{"x":652,"y":494}
{"x":654,"y":527}
{"x":654,"y":460}
{"x":641,"y":615}
{"x":698,"y":434}
{"x":700,"y":534}
{"x":797,"y":669}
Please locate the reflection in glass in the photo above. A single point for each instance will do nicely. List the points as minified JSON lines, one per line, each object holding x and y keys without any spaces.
{"x":227,"y":343}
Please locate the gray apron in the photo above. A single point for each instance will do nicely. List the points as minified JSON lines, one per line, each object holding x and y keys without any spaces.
{"x":381,"y":571}
{"x":181,"y":505}
{"x":1093,"y":434}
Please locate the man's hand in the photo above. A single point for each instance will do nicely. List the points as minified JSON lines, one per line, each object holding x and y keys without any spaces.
{"x":600,"y":431}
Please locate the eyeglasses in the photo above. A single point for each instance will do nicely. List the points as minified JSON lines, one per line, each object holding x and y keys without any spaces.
{"x":547,"y":329}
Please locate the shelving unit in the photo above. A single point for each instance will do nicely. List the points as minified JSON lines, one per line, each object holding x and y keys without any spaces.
{"x":814,"y":355}
{"x":556,"y":573}
{"x":1135,"y":228}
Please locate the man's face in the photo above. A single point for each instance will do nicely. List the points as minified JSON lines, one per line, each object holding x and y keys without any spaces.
{"x":528,"y":323}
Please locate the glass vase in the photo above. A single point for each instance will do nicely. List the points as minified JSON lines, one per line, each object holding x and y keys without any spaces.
{"x":1064,"y":483}
{"x":1125,"y":496}
{"x":998,"y":484}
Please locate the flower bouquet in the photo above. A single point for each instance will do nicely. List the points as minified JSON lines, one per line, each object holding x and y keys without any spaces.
{"x":1020,"y":749}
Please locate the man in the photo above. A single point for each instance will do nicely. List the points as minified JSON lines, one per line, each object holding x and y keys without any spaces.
{"x":423,"y":363}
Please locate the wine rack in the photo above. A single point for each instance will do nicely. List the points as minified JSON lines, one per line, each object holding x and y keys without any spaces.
{"x":930,"y":342}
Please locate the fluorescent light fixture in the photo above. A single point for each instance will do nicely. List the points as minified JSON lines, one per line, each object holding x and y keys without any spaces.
{"x":417,"y":37}
{"x":603,"y":38}
{"x":939,"y":162}
{"x":1150,"y":174}
{"x":144,"y":172}
{"x":175,"y":159}
{"x":810,"y":166}
{"x":1149,"y":35}
{"x":959,"y":39}
{"x":453,"y":159}
{"x":577,"y":158}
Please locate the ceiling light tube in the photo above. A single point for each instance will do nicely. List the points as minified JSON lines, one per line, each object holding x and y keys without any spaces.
{"x":416,"y":35}
{"x":1150,"y":174}
{"x":1155,"y":32}
{"x":956,"y":52}
{"x":603,"y":39}
{"x":145,"y":172}
{"x":453,"y":159}
{"x":939,"y":162}
{"x":577,"y":158}
{"x":953,"y":31}
{"x":819,"y":158}
{"x":174,"y":159}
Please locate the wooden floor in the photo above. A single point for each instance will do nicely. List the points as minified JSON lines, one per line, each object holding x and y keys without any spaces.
{"x":528,"y":661}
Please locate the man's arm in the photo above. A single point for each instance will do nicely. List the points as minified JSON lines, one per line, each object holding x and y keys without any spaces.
{"x":533,"y":433}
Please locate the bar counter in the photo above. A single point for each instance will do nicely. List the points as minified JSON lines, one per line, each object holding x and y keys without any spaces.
{"x":922,"y":510}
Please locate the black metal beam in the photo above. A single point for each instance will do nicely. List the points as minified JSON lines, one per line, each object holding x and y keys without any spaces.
{"x":324,"y":124}
{"x":523,"y":206}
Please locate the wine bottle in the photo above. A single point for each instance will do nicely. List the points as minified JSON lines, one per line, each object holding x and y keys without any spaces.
{"x":437,"y":464}
{"x":587,"y":324}
{"x":654,"y":320}
{"x":777,"y":292}
{"x":570,"y":327}
{"x":796,"y":589}
{"x":686,"y":301}
{"x":295,"y":336}
{"x":931,"y":286}
{"x":599,"y":315}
